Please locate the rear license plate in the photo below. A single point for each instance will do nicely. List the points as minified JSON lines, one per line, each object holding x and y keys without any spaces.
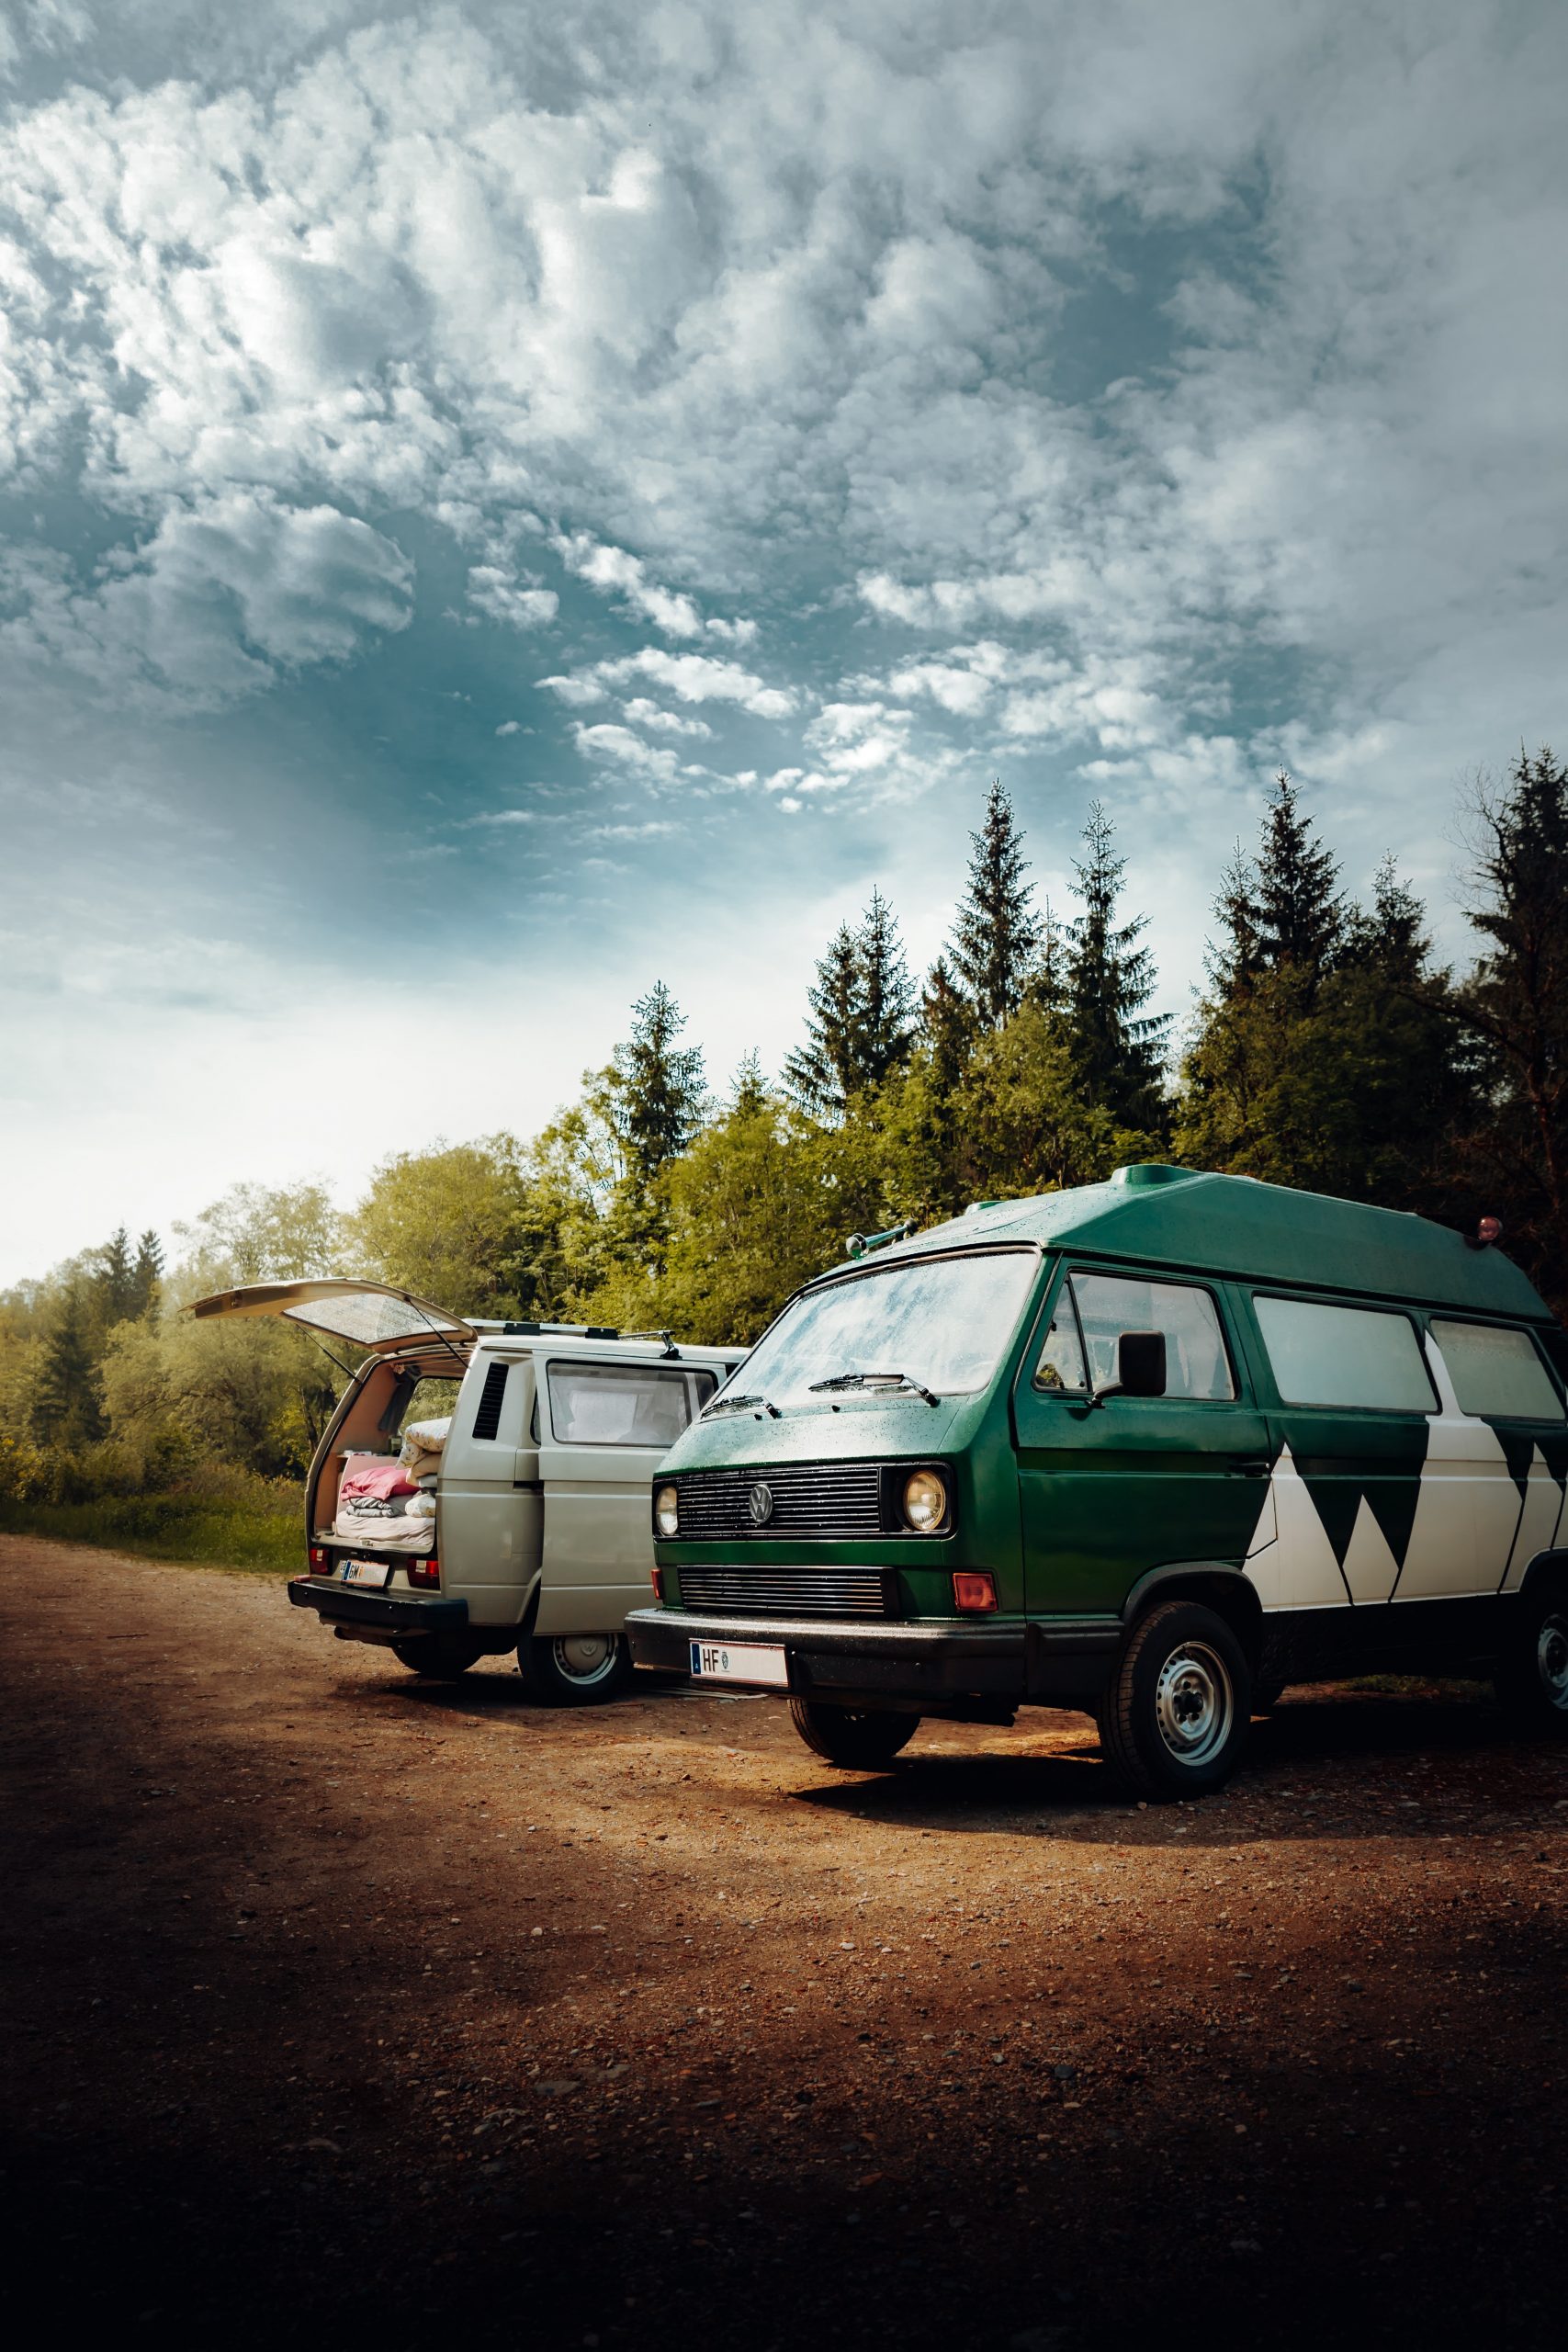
{"x":741,"y":1662}
{"x":377,"y":1574}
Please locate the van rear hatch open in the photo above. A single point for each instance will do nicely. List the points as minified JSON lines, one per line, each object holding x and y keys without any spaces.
{"x":372,"y":1316}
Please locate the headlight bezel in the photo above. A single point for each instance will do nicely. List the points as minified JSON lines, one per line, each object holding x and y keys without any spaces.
{"x":665,"y":1506}
{"x":934,"y":1476}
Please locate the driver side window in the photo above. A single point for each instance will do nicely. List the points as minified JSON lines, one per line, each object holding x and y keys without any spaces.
{"x":1093,"y":1310}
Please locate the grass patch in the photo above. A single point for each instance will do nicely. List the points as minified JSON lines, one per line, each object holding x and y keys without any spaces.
{"x":255,"y":1524}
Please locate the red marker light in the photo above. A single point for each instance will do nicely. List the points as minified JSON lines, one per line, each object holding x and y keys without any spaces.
{"x":974,"y":1590}
{"x":659,"y":1586}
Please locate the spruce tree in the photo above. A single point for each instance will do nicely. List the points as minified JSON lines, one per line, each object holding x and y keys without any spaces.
{"x":997,"y":932}
{"x":1116,"y":1048}
{"x":114,"y":1281}
{"x":1300,"y":914}
{"x":948,"y":1026}
{"x":887,"y":1028}
{"x":1515,"y":1007}
{"x":146,"y":1273}
{"x":660,"y":1093}
{"x":822,"y":1074}
{"x":65,"y":1406}
{"x":748,"y":1095}
{"x":1234,"y":962}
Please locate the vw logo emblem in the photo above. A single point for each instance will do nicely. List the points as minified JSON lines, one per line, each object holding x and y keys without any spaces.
{"x":762,"y":1504}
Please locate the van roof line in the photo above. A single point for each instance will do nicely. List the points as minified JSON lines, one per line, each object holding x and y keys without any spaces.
{"x":1194,"y":1219}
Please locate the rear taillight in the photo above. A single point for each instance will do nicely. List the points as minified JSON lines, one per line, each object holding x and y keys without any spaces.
{"x":319,"y":1563}
{"x":974,"y":1590}
{"x":425,"y":1572}
{"x":659,"y":1586}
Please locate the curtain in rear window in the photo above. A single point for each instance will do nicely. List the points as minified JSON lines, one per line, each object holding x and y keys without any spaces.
{"x":1497,"y":1373}
{"x":1360,"y":1357}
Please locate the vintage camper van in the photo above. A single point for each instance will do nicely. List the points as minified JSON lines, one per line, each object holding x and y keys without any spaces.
{"x":521,"y":1521}
{"x":1153,"y":1448}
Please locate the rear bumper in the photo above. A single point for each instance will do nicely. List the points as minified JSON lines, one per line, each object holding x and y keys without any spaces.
{"x":399,"y":1612}
{"x":1007,"y":1660}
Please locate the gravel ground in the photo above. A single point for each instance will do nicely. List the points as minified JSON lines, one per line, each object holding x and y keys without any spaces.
{"x":342,"y":2007}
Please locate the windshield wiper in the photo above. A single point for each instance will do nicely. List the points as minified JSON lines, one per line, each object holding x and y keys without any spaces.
{"x":871,"y":1379}
{"x":735,"y":1403}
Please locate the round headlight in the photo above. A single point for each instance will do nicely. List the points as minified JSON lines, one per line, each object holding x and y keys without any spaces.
{"x":925,"y":1501}
{"x":667,"y":1512}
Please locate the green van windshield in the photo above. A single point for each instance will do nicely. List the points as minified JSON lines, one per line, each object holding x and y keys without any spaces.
{"x":939,"y":1323}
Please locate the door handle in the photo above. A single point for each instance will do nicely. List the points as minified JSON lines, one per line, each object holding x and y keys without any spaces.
{"x":1251,"y":1466}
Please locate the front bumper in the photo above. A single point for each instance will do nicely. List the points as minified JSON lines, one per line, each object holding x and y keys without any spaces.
{"x":402,"y":1613}
{"x":999,"y":1660}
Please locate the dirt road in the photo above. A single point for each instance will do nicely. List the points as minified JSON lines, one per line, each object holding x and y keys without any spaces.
{"x":340,"y":2008}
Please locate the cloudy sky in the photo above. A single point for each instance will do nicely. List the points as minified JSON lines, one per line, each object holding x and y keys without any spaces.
{"x":501,"y":502}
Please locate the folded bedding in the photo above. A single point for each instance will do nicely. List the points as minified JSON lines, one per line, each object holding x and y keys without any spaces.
{"x":423,"y":1441}
{"x":379,"y":1504}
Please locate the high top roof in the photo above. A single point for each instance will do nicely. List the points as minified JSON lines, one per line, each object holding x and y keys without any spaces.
{"x":1232,"y":1224}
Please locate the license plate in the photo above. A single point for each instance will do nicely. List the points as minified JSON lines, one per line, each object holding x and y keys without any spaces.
{"x":741,"y":1662}
{"x":377,"y":1574}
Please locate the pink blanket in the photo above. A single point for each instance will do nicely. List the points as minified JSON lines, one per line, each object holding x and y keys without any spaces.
{"x":376,"y":1478}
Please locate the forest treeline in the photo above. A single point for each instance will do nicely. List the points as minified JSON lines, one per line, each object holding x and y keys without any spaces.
{"x":1327,"y":1049}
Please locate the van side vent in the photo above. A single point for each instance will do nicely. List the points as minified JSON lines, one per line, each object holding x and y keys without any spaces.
{"x":487,"y":1420}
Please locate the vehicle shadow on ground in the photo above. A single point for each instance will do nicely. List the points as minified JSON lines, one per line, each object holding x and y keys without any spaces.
{"x":1028,"y":1793}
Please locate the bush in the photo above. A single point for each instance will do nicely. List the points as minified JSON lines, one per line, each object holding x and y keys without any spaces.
{"x":216,"y":1514}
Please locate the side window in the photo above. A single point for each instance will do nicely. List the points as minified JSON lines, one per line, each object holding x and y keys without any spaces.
{"x":1196,"y":1363}
{"x":1362,"y":1357}
{"x":1497,"y":1373}
{"x":623,"y":1404}
{"x":1060,"y":1369}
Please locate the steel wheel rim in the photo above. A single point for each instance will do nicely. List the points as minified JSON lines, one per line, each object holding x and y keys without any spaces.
{"x":1194,"y":1704}
{"x":1551,"y":1659}
{"x":586,"y":1658}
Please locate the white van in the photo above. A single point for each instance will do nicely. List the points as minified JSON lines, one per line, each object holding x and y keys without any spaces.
{"x":543,"y":1439}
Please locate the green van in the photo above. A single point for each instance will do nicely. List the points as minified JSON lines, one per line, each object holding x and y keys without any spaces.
{"x":1153,"y":1449}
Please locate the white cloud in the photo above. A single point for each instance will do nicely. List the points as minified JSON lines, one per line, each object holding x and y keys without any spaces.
{"x":509,"y":726}
{"x":641,"y":712}
{"x":493,"y":593}
{"x":224,"y":593}
{"x":690,"y":677}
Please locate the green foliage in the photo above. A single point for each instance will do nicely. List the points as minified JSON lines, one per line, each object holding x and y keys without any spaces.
{"x":462,"y":1225}
{"x":1117,"y":1051}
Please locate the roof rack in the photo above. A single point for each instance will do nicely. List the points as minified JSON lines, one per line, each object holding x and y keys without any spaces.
{"x":571,"y":1330}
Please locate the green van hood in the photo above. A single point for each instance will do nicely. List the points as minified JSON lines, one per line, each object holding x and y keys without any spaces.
{"x":886,"y":1428}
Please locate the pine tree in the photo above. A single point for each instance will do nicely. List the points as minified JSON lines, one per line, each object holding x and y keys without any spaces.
{"x":1299,"y":913}
{"x":1515,"y":1007}
{"x":996,"y":933}
{"x":146,"y":1273}
{"x":660,"y":1093}
{"x":822,"y":1073}
{"x":66,"y":1408}
{"x":887,"y":1028}
{"x":1391,"y":938}
{"x":948,"y":1025}
{"x":1116,"y":1048}
{"x":748,"y":1095}
{"x":114,"y":1281}
{"x":1235,"y":963}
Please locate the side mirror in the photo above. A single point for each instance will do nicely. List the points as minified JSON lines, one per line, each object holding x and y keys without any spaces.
{"x":1140,"y":1363}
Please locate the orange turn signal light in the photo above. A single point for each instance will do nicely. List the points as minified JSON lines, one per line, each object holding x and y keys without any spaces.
{"x":659,"y":1586}
{"x":974,"y":1590}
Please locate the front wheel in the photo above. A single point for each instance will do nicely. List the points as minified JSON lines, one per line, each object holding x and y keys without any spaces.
{"x":1173,"y":1720}
{"x":1532,"y":1676}
{"x":575,"y":1670}
{"x":860,"y":1739}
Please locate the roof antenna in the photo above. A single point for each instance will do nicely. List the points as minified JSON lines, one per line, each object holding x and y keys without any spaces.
{"x":1489,"y":1230}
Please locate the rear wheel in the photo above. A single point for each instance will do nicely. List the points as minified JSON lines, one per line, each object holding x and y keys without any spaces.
{"x":437,"y":1660}
{"x":860,"y":1739}
{"x":1173,"y":1720}
{"x":1531,"y":1676}
{"x":575,"y":1670}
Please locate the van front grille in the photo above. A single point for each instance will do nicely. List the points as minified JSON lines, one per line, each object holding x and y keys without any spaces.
{"x":786,"y":1592}
{"x":810,"y":1498}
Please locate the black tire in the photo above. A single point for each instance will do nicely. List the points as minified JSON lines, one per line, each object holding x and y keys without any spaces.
{"x":437,"y":1660}
{"x":1173,"y":1720}
{"x":1532,"y":1676}
{"x":859,"y":1739}
{"x":575,"y":1670}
